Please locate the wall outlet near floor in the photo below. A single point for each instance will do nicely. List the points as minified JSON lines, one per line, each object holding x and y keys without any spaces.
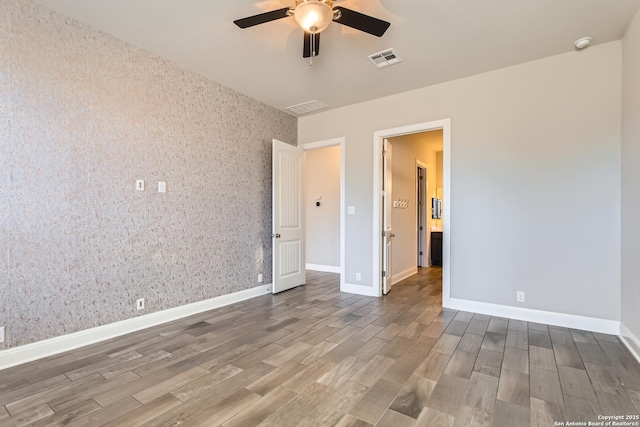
{"x":260,"y":278}
{"x":520,"y":296}
{"x":358,"y":277}
{"x":140,"y":304}
{"x":1,"y":334}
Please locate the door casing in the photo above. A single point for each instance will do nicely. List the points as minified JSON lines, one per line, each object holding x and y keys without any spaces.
{"x":378,"y":138}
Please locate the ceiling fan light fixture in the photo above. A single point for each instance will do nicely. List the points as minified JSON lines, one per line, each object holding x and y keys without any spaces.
{"x":314,"y":16}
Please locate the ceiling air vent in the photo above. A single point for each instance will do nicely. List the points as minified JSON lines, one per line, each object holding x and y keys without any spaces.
{"x":306,"y":107}
{"x":385,"y":58}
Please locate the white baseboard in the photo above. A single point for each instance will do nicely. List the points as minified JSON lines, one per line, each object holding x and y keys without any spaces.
{"x":37,"y":350}
{"x":593,"y":324}
{"x":404,"y":274}
{"x":323,"y":268}
{"x":359,"y":290}
{"x":630,"y":340}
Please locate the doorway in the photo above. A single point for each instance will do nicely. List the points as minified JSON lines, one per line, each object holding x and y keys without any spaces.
{"x":378,"y":201}
{"x":322,"y":201}
{"x":407,"y":192}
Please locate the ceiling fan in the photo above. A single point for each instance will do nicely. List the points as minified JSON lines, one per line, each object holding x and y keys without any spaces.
{"x":314,"y":16}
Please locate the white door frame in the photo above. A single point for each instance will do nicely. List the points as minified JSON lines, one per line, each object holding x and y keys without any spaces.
{"x":378,"y":137}
{"x":387,"y":217}
{"x":332,"y":143}
{"x":424,"y":258}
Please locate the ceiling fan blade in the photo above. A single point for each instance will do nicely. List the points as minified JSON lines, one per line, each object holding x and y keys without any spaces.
{"x":306,"y":51}
{"x":250,"y":21}
{"x":361,"y":22}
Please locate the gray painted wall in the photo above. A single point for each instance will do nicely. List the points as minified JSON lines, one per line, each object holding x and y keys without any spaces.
{"x":535,"y":179}
{"x":83,"y":115}
{"x":631,"y":177}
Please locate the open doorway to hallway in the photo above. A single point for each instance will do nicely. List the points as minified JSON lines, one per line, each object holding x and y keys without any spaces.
{"x":384,"y":197}
{"x":322,"y":194}
{"x":417,"y":175}
{"x":324,"y":200}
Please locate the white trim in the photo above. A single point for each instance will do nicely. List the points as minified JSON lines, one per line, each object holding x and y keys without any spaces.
{"x":446,"y":235}
{"x":322,"y":144}
{"x":422,"y":165}
{"x":404,"y":274}
{"x":359,"y":290}
{"x":323,"y":268}
{"x":630,"y":340}
{"x":37,"y":350}
{"x":425,"y":260}
{"x":593,"y":324}
{"x":343,"y":220}
{"x":378,"y":137}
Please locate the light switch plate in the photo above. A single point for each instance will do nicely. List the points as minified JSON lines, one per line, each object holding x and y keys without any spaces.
{"x":162,"y":187}
{"x":140,"y":184}
{"x":351,"y":210}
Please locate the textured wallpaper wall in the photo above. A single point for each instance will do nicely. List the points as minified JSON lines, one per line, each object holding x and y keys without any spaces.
{"x":82,"y":116}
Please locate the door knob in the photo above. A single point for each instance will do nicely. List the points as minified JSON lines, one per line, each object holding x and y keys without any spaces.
{"x":392,"y":235}
{"x":277,"y":236}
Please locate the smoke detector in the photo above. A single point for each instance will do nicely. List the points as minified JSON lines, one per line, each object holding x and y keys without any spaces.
{"x":583,"y":42}
{"x":385,"y":58}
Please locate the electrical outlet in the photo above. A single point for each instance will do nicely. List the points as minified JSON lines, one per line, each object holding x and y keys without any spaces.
{"x":140,"y":304}
{"x":358,"y":277}
{"x":260,"y":278}
{"x":140,"y":185}
{"x":1,"y":334}
{"x":162,"y":187}
{"x":520,"y":296}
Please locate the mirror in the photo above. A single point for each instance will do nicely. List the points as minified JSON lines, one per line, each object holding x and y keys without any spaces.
{"x":436,"y":208}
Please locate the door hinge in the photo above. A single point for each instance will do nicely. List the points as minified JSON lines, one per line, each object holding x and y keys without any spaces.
{"x":421,"y":177}
{"x":421,"y":228}
{"x":421,"y":253}
{"x":384,"y":274}
{"x":384,"y":233}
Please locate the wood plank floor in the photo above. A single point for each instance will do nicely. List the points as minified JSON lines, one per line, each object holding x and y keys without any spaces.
{"x":312,"y":356}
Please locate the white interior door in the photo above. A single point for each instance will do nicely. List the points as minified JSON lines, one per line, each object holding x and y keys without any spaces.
{"x":387,"y":203}
{"x":288,"y":217}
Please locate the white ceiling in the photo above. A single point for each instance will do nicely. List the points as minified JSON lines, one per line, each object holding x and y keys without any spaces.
{"x":437,"y":40}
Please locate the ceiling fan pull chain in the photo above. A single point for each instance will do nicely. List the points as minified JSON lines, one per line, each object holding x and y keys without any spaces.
{"x":313,"y":49}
